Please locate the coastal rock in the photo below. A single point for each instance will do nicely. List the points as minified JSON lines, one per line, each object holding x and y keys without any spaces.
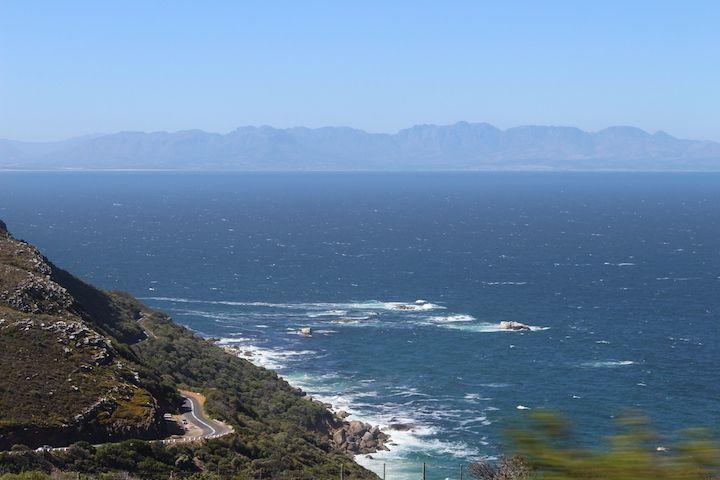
{"x":402,"y":427}
{"x":509,"y":325}
{"x":357,"y":437}
{"x":339,"y":437}
{"x":356,"y":427}
{"x":342,"y":414}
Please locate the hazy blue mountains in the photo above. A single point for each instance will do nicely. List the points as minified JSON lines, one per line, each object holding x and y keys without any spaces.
{"x":462,"y":146}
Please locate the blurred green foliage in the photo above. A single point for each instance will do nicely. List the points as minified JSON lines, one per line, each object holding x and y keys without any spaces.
{"x":548,"y":446}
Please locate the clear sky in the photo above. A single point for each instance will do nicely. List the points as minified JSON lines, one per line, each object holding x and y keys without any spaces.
{"x":71,"y":68}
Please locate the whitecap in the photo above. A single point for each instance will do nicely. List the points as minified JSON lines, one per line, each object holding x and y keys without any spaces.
{"x":362,"y":305}
{"x":608,"y":363}
{"x":328,"y":313}
{"x":451,"y":318}
{"x":264,"y":357}
{"x":490,"y":328}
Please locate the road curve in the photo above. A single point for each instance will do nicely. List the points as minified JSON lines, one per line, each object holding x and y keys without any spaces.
{"x":195,"y":414}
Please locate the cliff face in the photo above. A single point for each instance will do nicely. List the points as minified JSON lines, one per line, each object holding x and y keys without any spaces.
{"x":62,"y":377}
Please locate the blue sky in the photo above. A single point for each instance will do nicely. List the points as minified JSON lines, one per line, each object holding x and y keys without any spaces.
{"x":71,"y":68}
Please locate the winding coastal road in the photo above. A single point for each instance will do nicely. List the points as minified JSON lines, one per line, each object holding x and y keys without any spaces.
{"x":194,"y":414}
{"x":194,"y":422}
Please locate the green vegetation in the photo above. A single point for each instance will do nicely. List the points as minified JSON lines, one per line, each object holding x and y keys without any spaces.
{"x":279,"y":433}
{"x":99,"y":366}
{"x":547,"y":449}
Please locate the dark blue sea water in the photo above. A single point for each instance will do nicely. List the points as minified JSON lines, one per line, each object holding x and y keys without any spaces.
{"x":620,"y":273}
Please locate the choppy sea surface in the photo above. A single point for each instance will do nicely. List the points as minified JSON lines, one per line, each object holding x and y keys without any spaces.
{"x":404,"y":278}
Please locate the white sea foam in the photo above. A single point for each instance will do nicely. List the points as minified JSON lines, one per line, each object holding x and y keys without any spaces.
{"x":417,"y":305}
{"x":451,"y":318}
{"x":415,"y":435}
{"x":490,"y":328}
{"x":475,"y":397}
{"x":328,"y":313}
{"x":263,"y":357}
{"x":608,"y":363}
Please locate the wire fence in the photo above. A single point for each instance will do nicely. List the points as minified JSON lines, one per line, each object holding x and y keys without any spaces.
{"x":424,"y":472}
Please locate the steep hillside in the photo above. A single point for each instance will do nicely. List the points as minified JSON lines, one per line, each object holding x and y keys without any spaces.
{"x":65,"y":375}
{"x":83,"y":364}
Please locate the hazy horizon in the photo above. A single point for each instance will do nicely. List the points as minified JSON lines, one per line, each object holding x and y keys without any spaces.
{"x":349,"y":127}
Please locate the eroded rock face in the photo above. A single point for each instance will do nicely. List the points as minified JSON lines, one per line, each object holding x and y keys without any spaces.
{"x":33,"y":293}
{"x":25,"y":279}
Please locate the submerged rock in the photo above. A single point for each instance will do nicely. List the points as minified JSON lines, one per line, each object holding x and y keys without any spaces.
{"x":402,"y":427}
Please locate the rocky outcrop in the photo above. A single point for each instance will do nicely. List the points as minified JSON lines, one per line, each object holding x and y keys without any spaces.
{"x":357,"y":437}
{"x":517,"y":326}
{"x":33,"y":293}
{"x":25,"y":279}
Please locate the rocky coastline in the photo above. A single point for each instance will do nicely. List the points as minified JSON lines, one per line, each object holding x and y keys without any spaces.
{"x":352,"y":437}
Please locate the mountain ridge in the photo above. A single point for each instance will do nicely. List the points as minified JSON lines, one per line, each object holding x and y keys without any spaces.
{"x":460,"y":146}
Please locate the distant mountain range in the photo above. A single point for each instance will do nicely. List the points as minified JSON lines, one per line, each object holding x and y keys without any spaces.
{"x":462,"y":146}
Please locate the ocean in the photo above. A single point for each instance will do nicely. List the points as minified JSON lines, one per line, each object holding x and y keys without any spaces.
{"x":404,"y":278}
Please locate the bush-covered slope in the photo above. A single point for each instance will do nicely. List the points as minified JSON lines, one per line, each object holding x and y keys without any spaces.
{"x":83,"y":364}
{"x":277,"y":428}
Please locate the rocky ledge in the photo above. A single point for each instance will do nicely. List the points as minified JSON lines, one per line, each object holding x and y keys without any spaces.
{"x":357,"y":437}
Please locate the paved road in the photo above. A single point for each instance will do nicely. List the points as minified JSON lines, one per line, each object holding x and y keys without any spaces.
{"x":201,"y":426}
{"x":195,"y":415}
